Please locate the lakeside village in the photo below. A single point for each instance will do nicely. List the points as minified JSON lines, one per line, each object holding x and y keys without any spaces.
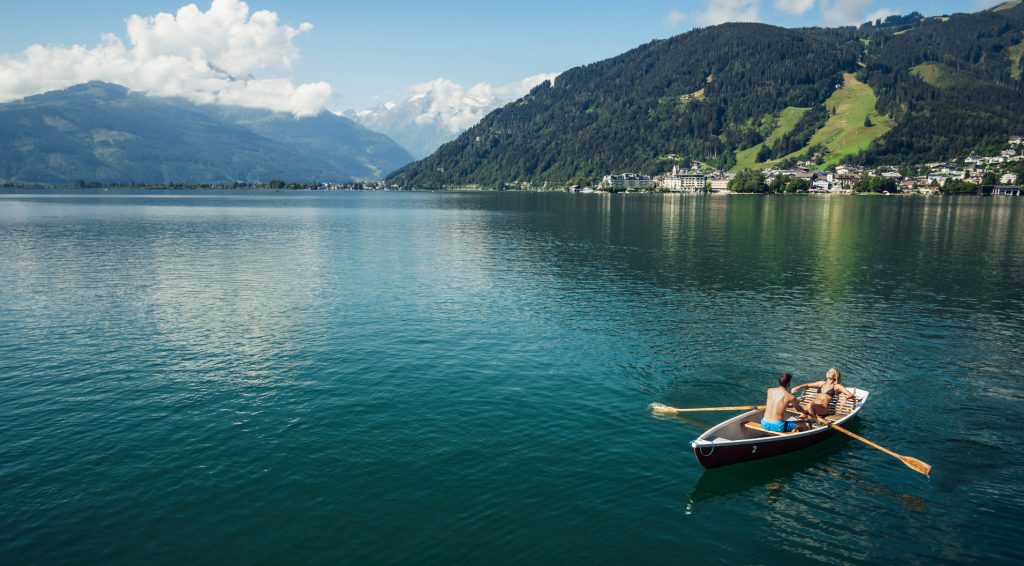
{"x":999,"y":175}
{"x":992,"y":175}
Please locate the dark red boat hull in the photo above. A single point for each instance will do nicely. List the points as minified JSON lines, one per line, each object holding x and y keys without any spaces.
{"x":715,"y":456}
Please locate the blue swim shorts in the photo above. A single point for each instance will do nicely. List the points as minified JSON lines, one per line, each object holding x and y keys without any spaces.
{"x":779,"y":426}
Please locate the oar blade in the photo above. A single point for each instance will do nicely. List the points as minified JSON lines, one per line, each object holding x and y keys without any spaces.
{"x":912,"y":463}
{"x":663,"y":409}
{"x":916,"y":465}
{"x":659,"y":408}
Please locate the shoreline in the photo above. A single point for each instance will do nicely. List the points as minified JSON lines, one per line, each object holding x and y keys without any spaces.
{"x":199,"y":188}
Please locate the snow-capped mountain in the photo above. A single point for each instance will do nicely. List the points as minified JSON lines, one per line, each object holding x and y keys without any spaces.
{"x":438,"y":111}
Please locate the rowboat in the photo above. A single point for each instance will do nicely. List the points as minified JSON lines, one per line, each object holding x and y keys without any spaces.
{"x":741,"y":438}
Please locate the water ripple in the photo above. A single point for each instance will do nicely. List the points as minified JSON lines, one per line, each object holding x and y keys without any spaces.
{"x":245,"y":377}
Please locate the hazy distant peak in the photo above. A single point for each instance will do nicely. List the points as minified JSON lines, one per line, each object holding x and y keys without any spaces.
{"x":439,"y":110}
{"x":99,"y":131}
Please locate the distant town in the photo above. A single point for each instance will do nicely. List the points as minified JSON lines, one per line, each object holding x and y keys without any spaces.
{"x":988,"y":175}
{"x":1000,"y":174}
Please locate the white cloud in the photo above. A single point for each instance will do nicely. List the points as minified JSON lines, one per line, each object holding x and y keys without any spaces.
{"x":881,"y":14}
{"x":795,"y":7}
{"x":848,"y":12}
{"x":721,"y":11}
{"x":675,"y":18}
{"x":207,"y":57}
{"x":718,"y":12}
{"x":458,"y":107}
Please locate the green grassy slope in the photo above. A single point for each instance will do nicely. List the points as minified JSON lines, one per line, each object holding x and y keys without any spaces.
{"x":746,"y":159}
{"x":844,"y":133}
{"x":1015,"y":59}
{"x":942,"y":76}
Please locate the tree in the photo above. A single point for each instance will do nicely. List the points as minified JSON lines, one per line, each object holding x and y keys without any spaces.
{"x":578,"y":180}
{"x":958,"y":186}
{"x":875,"y":185}
{"x":990,"y":178}
{"x":867,"y":121}
{"x":748,"y":181}
{"x":796,"y":184}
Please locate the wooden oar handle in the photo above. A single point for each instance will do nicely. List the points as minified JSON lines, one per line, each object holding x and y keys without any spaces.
{"x":659,"y":408}
{"x":911,"y":462}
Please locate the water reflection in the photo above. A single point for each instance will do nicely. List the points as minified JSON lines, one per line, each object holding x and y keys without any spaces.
{"x":770,"y":476}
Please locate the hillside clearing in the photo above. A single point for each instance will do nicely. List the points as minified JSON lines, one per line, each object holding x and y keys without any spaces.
{"x":746,"y":159}
{"x":942,"y":76}
{"x":1015,"y":56}
{"x":845,"y":133}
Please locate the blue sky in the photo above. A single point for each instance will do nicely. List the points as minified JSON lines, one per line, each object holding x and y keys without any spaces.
{"x":372,"y":51}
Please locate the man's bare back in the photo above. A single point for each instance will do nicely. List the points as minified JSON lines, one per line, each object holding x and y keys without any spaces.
{"x":780,"y":399}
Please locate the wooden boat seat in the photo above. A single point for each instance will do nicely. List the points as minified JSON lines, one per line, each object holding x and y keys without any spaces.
{"x":838,"y":407}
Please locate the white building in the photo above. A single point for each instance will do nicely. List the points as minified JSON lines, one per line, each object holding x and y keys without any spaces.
{"x":627,"y":181}
{"x":1009,"y":179}
{"x":820,"y":186}
{"x":685,"y":183}
{"x":720,"y":183}
{"x":843,"y":182}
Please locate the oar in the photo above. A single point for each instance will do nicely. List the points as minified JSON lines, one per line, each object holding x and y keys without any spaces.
{"x":659,"y":408}
{"x":912,"y":463}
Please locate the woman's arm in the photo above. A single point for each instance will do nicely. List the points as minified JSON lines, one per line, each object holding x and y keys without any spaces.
{"x":806,"y":385}
{"x":795,"y":403}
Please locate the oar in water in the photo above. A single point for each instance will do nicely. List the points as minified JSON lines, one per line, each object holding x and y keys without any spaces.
{"x":659,"y":408}
{"x":912,"y":463}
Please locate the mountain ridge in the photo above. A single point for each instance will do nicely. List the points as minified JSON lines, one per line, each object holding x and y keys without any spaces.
{"x":103,"y":132}
{"x":712,"y":93}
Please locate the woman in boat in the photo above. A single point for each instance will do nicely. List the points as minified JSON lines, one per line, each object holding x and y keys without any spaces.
{"x":827,"y":389}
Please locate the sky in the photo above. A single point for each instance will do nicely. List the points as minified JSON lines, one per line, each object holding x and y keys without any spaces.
{"x":303,"y":56}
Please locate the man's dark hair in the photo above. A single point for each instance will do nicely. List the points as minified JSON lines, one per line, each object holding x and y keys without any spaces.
{"x":784,"y":379}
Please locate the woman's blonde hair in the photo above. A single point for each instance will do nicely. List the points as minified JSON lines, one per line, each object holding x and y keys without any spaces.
{"x":839,"y":376}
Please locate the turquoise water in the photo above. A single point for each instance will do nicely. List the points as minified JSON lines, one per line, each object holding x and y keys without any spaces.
{"x":435,"y":378}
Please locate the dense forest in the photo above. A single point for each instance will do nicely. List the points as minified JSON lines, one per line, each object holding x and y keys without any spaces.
{"x":704,"y":95}
{"x":700,"y":94}
{"x":975,"y":108}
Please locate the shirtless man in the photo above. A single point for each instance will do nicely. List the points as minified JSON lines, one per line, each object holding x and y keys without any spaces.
{"x":780,"y":399}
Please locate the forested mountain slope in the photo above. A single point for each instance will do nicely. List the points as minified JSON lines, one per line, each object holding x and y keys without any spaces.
{"x":712,"y":93}
{"x":101,"y":132}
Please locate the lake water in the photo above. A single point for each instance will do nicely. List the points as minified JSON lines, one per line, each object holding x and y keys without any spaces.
{"x":211,"y":377}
